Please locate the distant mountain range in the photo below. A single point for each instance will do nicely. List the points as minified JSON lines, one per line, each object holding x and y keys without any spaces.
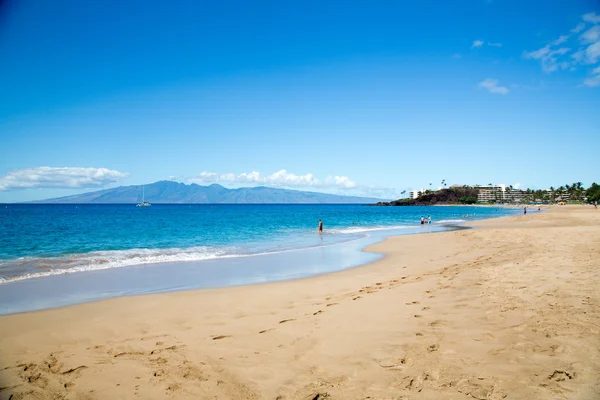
{"x":169,"y":192}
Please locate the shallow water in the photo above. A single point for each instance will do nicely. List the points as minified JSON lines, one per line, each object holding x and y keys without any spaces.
{"x":55,"y":255}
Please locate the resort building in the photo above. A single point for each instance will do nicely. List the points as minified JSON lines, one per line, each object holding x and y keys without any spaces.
{"x":416,"y":193}
{"x":491,"y":193}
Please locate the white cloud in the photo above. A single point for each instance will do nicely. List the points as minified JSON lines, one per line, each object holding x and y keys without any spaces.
{"x":280,"y":178}
{"x":553,"y":59}
{"x":578,"y":56}
{"x":592,"y":35}
{"x":538,"y":54}
{"x":50,"y":177}
{"x":593,"y":53}
{"x":578,"y":28}
{"x":495,"y":44}
{"x":560,"y":40}
{"x":492,"y":86}
{"x":591,"y":18}
{"x":477,"y":43}
{"x":593,"y":81}
{"x":548,"y":57}
{"x":517,"y":185}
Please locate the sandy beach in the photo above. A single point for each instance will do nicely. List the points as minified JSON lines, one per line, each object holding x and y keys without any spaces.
{"x":510,"y":310}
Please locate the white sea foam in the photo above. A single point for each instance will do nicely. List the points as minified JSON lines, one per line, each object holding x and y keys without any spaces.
{"x":362,"y":229}
{"x":100,"y":260}
{"x":450,"y":221}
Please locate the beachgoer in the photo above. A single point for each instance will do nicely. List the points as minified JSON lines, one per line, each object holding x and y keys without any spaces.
{"x":596,"y":204}
{"x":524,"y":210}
{"x":422,"y":220}
{"x":320,"y":226}
{"x":428,"y":219}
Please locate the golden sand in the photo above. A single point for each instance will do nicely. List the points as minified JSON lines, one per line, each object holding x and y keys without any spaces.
{"x":508,"y":310}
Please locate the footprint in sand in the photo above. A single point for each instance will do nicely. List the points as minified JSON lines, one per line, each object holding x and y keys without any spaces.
{"x":393,"y":363}
{"x":219,"y":337}
{"x":356,"y":298}
{"x":156,"y":351}
{"x":560,"y":375}
{"x":331,"y":304}
{"x":283,"y":321}
{"x":425,"y":308}
{"x":418,"y":316}
{"x":318,"y":312}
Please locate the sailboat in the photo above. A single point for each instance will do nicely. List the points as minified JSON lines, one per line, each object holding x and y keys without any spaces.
{"x":143,"y":203}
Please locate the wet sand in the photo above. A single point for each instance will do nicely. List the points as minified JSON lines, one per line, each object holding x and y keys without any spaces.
{"x":508,"y":310}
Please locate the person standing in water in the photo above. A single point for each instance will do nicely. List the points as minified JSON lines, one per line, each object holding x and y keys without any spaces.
{"x":320,"y":226}
{"x":429,"y":219}
{"x":524,"y":210}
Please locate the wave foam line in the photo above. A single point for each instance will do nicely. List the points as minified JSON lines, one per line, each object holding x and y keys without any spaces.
{"x":100,"y":260}
{"x":359,"y":229}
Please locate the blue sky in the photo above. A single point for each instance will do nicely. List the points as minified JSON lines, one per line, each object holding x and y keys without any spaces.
{"x":367,"y":98}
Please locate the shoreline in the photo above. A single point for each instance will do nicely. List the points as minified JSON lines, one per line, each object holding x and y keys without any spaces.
{"x":78,"y":252}
{"x":64,"y":289}
{"x":506,"y":310}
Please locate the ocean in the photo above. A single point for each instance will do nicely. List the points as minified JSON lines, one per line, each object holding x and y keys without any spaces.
{"x":187,"y":246}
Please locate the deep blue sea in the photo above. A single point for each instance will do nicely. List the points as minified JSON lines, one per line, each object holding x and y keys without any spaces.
{"x":44,"y":240}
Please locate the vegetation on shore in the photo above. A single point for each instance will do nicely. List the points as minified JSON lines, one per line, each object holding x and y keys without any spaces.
{"x":468,"y":195}
{"x":463,"y":195}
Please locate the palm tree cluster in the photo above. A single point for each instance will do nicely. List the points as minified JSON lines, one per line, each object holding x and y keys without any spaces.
{"x":573,"y":192}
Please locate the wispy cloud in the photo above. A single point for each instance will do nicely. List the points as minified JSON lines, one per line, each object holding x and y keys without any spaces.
{"x":578,"y":28}
{"x":593,"y":80}
{"x":549,"y":57}
{"x":585,"y":50}
{"x":281,"y":178}
{"x":480,"y":43}
{"x":285,"y":179}
{"x":592,"y":18}
{"x":67,"y":177}
{"x":493,"y":87}
{"x":561,"y":39}
{"x":593,"y":53}
{"x":591,"y":35}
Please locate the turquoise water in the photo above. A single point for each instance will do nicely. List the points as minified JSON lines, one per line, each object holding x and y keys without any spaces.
{"x":44,"y":240}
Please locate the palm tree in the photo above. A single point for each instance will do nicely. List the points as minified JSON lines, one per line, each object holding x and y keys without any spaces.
{"x":560,"y":191}
{"x":579,"y":187}
{"x":511,"y":195}
{"x":552,"y":193}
